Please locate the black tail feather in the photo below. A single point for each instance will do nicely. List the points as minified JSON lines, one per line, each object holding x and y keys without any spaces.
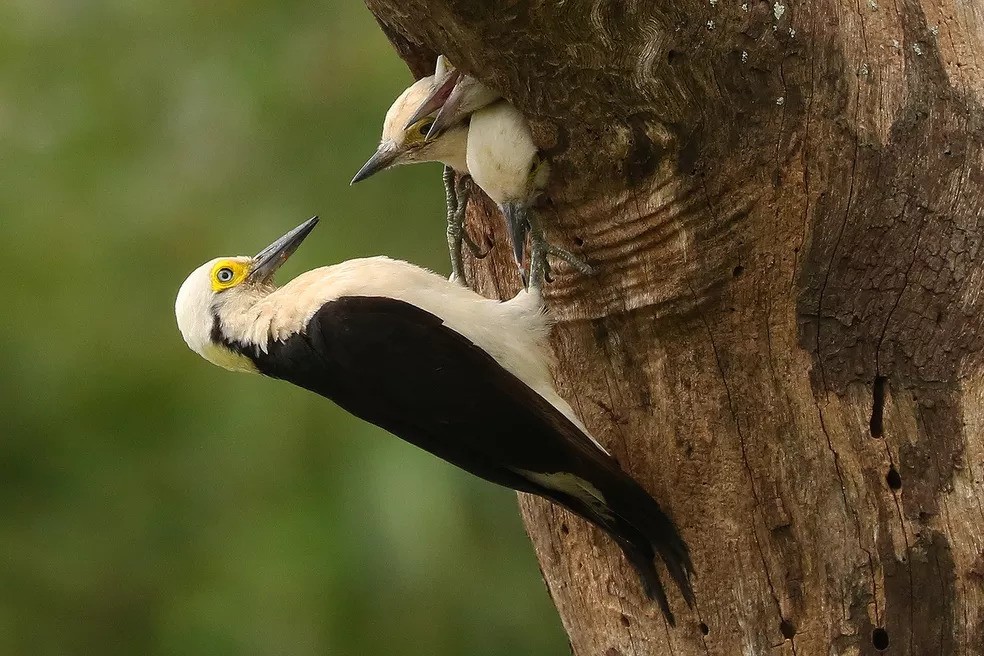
{"x":654,"y":532}
{"x":642,"y":559}
{"x":641,"y":528}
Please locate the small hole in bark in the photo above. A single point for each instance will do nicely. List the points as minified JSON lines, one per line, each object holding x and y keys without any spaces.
{"x":893,"y":478}
{"x":737,"y":271}
{"x":673,"y":56}
{"x":877,"y":425}
{"x":879,"y":638}
{"x":625,"y":620}
{"x":564,"y":529}
{"x":578,"y":242}
{"x":703,"y":628}
{"x":787,"y":629}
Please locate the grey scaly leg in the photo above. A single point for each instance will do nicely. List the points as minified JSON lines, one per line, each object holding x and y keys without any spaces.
{"x":463,"y":193}
{"x":456,"y":218}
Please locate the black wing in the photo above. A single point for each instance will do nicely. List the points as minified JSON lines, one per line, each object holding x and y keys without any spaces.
{"x":399,"y":367}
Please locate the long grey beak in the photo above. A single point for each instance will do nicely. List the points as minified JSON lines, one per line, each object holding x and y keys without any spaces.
{"x":437,"y":97}
{"x":518,"y":226}
{"x":382,"y":159}
{"x":266,"y":262}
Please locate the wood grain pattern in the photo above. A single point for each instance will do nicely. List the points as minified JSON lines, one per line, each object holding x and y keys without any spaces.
{"x":784,"y":340}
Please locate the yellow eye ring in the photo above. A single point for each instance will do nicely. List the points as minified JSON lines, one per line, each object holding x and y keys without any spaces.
{"x":228,"y":273}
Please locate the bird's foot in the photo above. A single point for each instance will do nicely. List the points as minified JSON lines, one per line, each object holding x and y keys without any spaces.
{"x":578,"y":263}
{"x":540,"y":249}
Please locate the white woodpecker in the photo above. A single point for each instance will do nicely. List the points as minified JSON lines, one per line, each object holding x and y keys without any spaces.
{"x":404,"y":142}
{"x":461,"y":376}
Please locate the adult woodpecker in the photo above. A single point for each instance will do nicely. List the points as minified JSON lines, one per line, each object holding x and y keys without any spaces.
{"x":461,"y":376}
{"x":406,"y":143}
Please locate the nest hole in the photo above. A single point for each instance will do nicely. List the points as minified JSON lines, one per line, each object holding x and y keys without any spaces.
{"x":879,"y":639}
{"x":893,"y":478}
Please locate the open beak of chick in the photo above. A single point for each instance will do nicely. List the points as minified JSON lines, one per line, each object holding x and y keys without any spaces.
{"x":467,"y":96}
{"x":453,"y":97}
{"x":266,"y":262}
{"x":437,"y":99}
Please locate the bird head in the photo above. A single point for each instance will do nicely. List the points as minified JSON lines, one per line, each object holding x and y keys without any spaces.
{"x":405,"y":142}
{"x":218,"y":293}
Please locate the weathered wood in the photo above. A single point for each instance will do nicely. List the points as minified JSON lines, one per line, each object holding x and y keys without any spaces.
{"x":784,"y":340}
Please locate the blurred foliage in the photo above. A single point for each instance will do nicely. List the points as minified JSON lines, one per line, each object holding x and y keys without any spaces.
{"x":152,"y":503}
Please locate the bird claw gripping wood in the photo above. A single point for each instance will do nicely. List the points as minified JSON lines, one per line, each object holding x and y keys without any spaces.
{"x":540,"y":249}
{"x":456,"y":195}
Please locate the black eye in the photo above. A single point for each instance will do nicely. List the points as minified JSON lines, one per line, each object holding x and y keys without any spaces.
{"x":224,"y":274}
{"x":425,"y":128}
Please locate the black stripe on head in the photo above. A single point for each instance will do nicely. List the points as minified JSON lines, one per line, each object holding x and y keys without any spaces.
{"x":218,"y":336}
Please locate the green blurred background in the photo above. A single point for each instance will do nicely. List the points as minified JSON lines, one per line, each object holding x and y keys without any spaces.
{"x":152,"y":503}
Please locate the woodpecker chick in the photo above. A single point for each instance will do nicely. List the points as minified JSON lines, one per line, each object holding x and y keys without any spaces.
{"x":504,"y":161}
{"x":406,"y":143}
{"x":461,"y":376}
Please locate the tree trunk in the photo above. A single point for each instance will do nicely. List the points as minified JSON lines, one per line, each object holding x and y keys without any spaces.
{"x":783,"y":340}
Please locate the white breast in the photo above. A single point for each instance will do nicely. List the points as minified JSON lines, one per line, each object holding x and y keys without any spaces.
{"x":500,"y":152}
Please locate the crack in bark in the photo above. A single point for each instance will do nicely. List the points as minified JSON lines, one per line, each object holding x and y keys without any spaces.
{"x":819,"y":356}
{"x":960,"y":580}
{"x":876,"y":425}
{"x":853,"y":512}
{"x":833,"y":252}
{"x":748,"y":468}
{"x":702,"y":623}
{"x":908,"y":558}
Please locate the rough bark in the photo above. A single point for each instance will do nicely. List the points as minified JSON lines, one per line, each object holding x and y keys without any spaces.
{"x":783,"y":342}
